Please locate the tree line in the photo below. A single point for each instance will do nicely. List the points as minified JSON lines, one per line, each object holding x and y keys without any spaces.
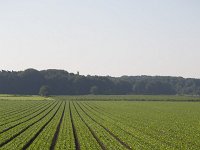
{"x":61,"y":82}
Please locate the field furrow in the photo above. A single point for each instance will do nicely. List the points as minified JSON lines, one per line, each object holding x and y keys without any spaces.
{"x":90,"y":129}
{"x":147,"y":128}
{"x":86,"y":139}
{"x":110,"y":140}
{"x":75,"y":123}
{"x":55,"y":137}
{"x":7,"y":137}
{"x":30,"y":116}
{"x":65,"y":138}
{"x":76,"y":140}
{"x":135,"y":138}
{"x":44,"y":135}
{"x":19,"y":112}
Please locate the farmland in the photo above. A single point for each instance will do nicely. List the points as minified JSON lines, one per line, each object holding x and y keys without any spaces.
{"x":99,"y":122}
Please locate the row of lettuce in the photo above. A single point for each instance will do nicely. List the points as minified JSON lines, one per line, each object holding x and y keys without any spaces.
{"x":64,"y":124}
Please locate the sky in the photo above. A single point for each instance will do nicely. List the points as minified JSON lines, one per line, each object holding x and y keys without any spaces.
{"x":102,"y":37}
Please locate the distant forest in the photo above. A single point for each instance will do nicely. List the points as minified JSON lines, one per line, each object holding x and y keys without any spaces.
{"x":60,"y":82}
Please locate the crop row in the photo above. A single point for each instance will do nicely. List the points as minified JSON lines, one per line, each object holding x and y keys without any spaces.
{"x":29,"y":116}
{"x":18,"y":136}
{"x":7,"y":106}
{"x":80,"y":125}
{"x":19,"y":112}
{"x":110,"y":140}
{"x":159,"y":129}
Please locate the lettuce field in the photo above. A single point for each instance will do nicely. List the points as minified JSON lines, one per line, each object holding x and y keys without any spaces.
{"x":66,"y":123}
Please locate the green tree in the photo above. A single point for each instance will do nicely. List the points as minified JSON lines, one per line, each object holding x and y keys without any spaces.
{"x":94,"y":90}
{"x":44,"y":91}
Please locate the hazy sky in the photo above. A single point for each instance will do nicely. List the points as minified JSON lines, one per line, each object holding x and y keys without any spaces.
{"x":103,"y":37}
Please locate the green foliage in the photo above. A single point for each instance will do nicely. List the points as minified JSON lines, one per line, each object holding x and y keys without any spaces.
{"x":99,"y":124}
{"x":28,"y":82}
{"x":171,"y":98}
{"x":94,"y":90}
{"x":44,"y":91}
{"x":24,"y":97}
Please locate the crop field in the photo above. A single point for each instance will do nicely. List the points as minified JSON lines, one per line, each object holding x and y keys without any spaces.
{"x":76,"y":123}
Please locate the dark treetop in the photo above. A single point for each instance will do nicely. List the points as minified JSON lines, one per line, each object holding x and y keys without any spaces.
{"x":60,"y":82}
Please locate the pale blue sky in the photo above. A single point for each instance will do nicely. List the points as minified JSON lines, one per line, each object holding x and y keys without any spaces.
{"x":102,"y":37}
